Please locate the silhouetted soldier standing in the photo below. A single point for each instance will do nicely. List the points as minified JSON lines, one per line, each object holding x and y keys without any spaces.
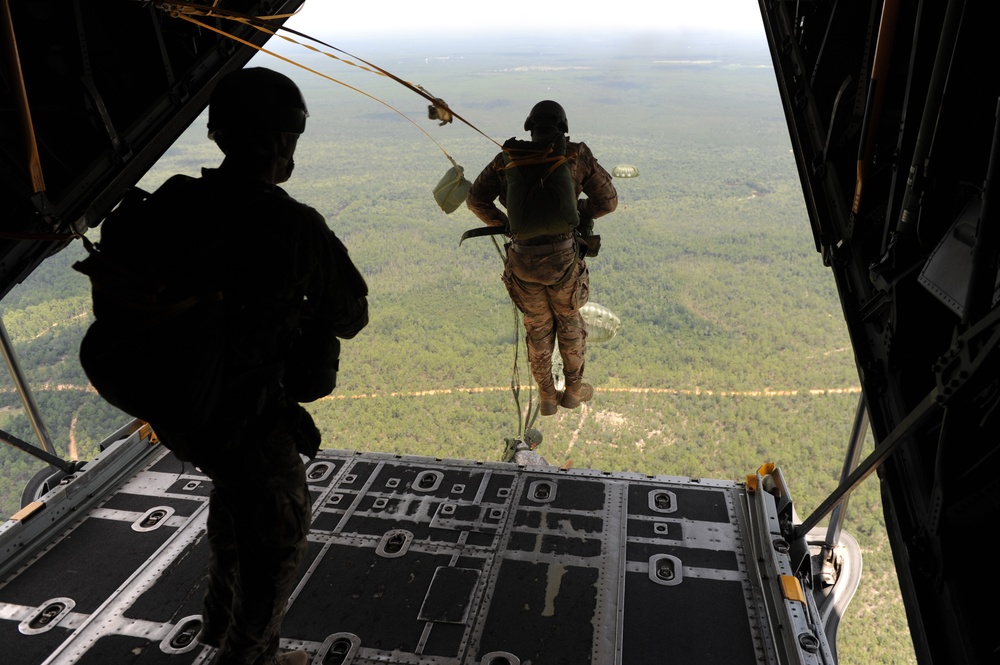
{"x":546,"y":275}
{"x":270,"y":257}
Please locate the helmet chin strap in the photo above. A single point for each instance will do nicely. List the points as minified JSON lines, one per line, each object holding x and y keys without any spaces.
{"x":544,"y":132}
{"x":283,"y":162}
{"x":267,"y":157}
{"x":282,"y":169}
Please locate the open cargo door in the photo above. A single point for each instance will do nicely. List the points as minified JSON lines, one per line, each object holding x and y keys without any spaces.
{"x":892,"y":111}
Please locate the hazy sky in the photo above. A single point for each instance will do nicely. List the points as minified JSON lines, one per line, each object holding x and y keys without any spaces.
{"x":413,"y":18}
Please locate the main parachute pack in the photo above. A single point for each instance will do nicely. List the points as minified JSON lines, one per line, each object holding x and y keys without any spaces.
{"x":160,"y":349}
{"x":541,"y":195}
{"x":156,"y":355}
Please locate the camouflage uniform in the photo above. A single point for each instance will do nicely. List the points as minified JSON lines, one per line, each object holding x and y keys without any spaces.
{"x":266,"y":253}
{"x":545,"y":276}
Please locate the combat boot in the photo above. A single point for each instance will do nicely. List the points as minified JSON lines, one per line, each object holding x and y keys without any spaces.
{"x":209,"y":638}
{"x":292,"y":658}
{"x":212,"y":633}
{"x":549,"y":399}
{"x":573,"y":395}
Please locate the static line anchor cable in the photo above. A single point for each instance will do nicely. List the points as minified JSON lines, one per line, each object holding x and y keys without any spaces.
{"x":439,"y":109}
{"x":531,"y":413}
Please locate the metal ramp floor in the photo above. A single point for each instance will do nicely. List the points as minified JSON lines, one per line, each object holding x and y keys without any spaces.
{"x":417,"y":560}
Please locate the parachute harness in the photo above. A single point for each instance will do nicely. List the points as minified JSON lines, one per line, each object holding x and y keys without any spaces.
{"x":528,"y":157}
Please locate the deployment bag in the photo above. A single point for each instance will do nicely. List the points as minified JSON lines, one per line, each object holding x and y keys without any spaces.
{"x":452,"y":189}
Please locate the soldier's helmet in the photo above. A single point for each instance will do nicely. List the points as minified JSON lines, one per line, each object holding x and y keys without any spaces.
{"x":547,"y":113}
{"x":256,"y":100}
{"x":533,"y":437}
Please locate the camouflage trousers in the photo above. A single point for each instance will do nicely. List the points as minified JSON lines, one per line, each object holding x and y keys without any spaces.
{"x":549,"y":290}
{"x":258,"y":521}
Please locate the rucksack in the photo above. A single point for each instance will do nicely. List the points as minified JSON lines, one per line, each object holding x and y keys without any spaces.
{"x":155,"y":354}
{"x":541,"y":194}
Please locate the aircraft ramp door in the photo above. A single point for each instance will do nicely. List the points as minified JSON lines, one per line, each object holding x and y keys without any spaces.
{"x":417,"y":560}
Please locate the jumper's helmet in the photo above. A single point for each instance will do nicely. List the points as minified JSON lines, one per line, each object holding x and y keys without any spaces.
{"x":258,"y":100}
{"x":547,"y":114}
{"x":533,"y":437}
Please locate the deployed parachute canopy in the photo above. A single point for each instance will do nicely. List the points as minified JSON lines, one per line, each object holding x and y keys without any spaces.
{"x":602,"y":324}
{"x":625,"y":171}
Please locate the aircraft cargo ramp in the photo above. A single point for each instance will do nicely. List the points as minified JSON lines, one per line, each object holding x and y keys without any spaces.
{"x":417,"y":560}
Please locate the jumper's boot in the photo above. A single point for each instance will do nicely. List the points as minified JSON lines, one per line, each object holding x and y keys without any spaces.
{"x":577,"y":392}
{"x":292,"y":658}
{"x":548,"y":398}
{"x":210,"y":639}
{"x":540,"y":359}
{"x":212,"y":633}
